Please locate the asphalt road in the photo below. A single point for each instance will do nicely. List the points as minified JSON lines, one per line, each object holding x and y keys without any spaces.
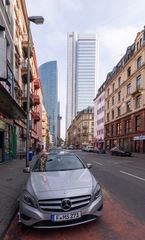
{"x":123,"y":183}
{"x":122,"y":177}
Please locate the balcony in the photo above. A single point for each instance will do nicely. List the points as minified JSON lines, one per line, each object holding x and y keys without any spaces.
{"x":138,"y":90}
{"x":36,"y":99}
{"x":36,"y":83}
{"x":36,"y":116}
{"x":24,"y":100}
{"x":25,"y":72}
{"x":25,"y":46}
{"x":85,"y":126}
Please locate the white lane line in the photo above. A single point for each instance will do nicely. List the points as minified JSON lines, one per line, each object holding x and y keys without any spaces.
{"x":129,"y":174}
{"x":98,"y":163}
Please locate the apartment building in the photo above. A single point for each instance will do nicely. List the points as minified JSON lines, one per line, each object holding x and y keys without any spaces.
{"x":45,"y":130}
{"x":125,"y":99}
{"x":13,"y":82}
{"x":80,"y":132}
{"x":99,"y":113}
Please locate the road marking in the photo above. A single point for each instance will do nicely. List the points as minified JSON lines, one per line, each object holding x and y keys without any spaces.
{"x":129,"y":174}
{"x":98,"y":163}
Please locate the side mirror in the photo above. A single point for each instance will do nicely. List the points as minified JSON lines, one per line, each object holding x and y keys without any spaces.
{"x":27,"y":170}
{"x":89,"y":165}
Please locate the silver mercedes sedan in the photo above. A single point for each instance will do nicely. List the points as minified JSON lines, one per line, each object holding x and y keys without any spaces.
{"x":60,"y":192}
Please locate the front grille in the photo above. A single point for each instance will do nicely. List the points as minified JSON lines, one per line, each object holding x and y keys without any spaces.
{"x":55,"y":204}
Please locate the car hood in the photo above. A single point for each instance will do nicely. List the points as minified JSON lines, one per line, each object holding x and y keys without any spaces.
{"x":61,"y":183}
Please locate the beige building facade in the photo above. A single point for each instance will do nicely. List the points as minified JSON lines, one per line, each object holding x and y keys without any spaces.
{"x":45,"y":130}
{"x":80,"y":133}
{"x":125,"y":99}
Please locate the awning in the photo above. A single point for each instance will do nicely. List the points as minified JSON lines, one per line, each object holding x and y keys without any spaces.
{"x":9,"y":107}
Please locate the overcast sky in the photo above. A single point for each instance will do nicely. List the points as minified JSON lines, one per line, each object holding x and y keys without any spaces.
{"x":116,"y":23}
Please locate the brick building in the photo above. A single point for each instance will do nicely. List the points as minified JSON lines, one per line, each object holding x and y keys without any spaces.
{"x":125,"y":99}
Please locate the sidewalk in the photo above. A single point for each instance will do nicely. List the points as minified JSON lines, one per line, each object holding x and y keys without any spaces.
{"x":12,"y":180}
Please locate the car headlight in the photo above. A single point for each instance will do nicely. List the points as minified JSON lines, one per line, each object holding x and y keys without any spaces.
{"x":29,"y":199}
{"x":96,"y":191}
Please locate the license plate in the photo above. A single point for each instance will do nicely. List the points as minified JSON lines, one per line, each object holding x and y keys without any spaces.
{"x":65,"y":216}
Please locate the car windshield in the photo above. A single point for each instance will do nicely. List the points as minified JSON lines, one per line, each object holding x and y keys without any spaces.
{"x":58,"y":163}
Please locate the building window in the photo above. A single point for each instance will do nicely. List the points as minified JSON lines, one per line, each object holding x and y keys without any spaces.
{"x":113,"y":130}
{"x":119,"y":111}
{"x":112,"y":100}
{"x":129,"y":72}
{"x":128,"y":106}
{"x":107,"y":117}
{"x":107,"y":131}
{"x":119,"y":96}
{"x":118,"y":128}
{"x":129,"y":89}
{"x":108,"y":92}
{"x":138,"y":82}
{"x":119,"y":81}
{"x":108,"y":104}
{"x":112,"y":114}
{"x":140,"y":42}
{"x":113,"y":87}
{"x":138,"y":101}
{"x":128,"y":126}
{"x":139,"y":62}
{"x":138,"y":123}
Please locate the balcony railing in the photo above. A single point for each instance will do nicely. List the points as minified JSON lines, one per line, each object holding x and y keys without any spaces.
{"x":25,"y":71}
{"x":36,"y":116}
{"x":24,"y":100}
{"x":36,"y":84}
{"x":25,"y":46}
{"x":36,"y":99}
{"x":137,"y":91}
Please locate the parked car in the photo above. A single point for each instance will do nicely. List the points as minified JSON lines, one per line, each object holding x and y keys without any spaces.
{"x":60,"y":192}
{"x":98,"y":150}
{"x":88,"y":149}
{"x":71,"y":147}
{"x":120,"y":152}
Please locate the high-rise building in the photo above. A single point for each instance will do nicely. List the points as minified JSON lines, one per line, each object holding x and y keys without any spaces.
{"x":82,"y":52}
{"x":48,"y":76}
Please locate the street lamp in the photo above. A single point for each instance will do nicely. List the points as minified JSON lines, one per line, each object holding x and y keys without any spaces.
{"x":36,"y":20}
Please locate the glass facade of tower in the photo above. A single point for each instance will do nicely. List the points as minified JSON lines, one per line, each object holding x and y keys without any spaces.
{"x":85,"y":72}
{"x":48,"y":77}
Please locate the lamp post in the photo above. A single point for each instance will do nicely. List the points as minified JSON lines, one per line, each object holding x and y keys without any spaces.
{"x":36,"y":20}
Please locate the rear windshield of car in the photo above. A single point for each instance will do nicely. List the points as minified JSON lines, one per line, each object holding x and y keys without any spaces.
{"x":58,"y":163}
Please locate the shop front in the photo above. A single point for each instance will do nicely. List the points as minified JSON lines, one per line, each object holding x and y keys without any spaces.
{"x":139,"y":143}
{"x":5,"y":141}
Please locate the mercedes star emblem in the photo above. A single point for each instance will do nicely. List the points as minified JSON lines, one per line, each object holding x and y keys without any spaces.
{"x":66,"y":204}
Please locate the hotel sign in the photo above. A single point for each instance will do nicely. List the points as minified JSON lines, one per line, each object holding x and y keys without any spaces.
{"x":139,"y":138}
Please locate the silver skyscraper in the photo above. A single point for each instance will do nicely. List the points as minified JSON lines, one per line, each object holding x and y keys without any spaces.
{"x":82,"y":67}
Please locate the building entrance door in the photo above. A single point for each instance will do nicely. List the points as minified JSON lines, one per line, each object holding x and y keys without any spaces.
{"x":1,"y":145}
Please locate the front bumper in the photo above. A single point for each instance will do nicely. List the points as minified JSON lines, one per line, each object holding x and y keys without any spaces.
{"x":37,"y":218}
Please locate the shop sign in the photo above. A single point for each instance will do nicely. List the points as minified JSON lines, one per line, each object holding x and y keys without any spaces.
{"x":139,"y":138}
{"x":2,"y":125}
